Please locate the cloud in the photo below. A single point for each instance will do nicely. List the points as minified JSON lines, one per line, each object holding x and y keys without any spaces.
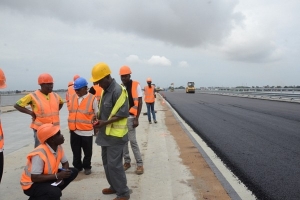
{"x":159,"y":60}
{"x":178,"y":22}
{"x":154,"y":60}
{"x":183,"y":64}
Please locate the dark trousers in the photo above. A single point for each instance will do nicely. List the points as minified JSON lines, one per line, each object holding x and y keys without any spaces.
{"x":86,"y":144}
{"x":1,"y":165}
{"x":45,"y":191}
{"x":112,"y":158}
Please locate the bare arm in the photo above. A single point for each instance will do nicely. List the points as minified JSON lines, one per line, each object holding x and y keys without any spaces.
{"x":25,"y":110}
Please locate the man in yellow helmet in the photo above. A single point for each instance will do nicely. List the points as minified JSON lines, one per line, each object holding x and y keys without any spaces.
{"x":112,"y":123}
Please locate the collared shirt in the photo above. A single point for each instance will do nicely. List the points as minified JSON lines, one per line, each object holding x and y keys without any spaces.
{"x":95,"y":108}
{"x":109,"y":99}
{"x":38,"y":163}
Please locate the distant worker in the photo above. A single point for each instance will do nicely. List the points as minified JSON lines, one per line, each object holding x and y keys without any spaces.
{"x":2,"y":85}
{"x":150,"y":100}
{"x":41,"y":171}
{"x":112,"y":123}
{"x":97,"y":91}
{"x":135,"y":98}
{"x":45,"y":105}
{"x":70,"y":90}
{"x":83,"y":107}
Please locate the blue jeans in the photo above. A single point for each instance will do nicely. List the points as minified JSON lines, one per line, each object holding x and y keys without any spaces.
{"x":150,"y":109}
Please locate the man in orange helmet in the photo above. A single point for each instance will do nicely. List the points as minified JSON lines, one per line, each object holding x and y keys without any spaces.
{"x":2,"y":85}
{"x":150,"y":100}
{"x":45,"y":105}
{"x":135,"y":95}
{"x":41,"y":178}
{"x":70,"y":90}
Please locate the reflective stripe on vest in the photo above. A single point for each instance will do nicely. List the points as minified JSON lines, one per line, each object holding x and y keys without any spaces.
{"x":50,"y":163}
{"x":149,"y":94}
{"x":80,"y":116}
{"x":69,"y":95}
{"x":47,"y":111}
{"x":134,"y":108}
{"x":118,"y":128}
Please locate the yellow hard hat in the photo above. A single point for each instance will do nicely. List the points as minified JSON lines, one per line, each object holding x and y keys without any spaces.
{"x":2,"y":79}
{"x":99,"y":71}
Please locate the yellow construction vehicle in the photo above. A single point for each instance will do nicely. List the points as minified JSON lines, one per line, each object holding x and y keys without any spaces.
{"x":190,"y":87}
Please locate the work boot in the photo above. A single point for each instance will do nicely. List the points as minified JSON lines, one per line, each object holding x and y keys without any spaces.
{"x":126,"y":166}
{"x":155,"y":121}
{"x":108,"y":191}
{"x":139,"y":170}
{"x":87,"y":171}
{"x":150,"y":122}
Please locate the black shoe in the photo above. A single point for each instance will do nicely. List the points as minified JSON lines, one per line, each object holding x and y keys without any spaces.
{"x":87,"y":171}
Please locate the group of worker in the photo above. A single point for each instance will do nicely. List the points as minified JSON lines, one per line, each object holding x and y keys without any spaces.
{"x":108,"y":110}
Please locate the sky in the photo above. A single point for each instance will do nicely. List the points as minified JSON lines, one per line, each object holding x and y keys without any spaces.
{"x":224,"y":43}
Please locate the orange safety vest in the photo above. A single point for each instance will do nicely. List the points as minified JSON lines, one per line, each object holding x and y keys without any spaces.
{"x":80,"y":116}
{"x":134,"y":109}
{"x":1,"y":137}
{"x":48,"y":110}
{"x":69,"y":95}
{"x":98,"y":90}
{"x":51,"y":163}
{"x":149,"y":94}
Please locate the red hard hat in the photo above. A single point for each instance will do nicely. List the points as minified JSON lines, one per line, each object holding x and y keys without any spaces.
{"x":45,"y":78}
{"x":46,"y":131}
{"x":124,"y":70}
{"x":75,"y":77}
{"x":2,"y":79}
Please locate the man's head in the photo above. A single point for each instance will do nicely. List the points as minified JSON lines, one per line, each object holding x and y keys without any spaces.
{"x":101,"y":75}
{"x":149,"y":81}
{"x":50,"y":134}
{"x":80,"y":86}
{"x":46,"y":82}
{"x":125,"y":72}
{"x":2,"y":79}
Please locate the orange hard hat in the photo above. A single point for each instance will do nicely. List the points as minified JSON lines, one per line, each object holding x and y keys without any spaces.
{"x":46,"y":131}
{"x":2,"y":79}
{"x":75,"y":77}
{"x":124,"y":70}
{"x":70,"y":83}
{"x":149,"y":80}
{"x":45,"y":78}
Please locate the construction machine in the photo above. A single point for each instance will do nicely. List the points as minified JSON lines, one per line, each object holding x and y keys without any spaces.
{"x":190,"y":87}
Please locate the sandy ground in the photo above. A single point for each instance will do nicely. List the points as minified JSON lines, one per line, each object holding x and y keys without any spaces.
{"x":174,"y":168}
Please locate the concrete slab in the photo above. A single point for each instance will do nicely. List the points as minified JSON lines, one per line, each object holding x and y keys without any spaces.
{"x":165,"y":175}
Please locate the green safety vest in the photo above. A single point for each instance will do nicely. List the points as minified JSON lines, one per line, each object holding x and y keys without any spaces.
{"x":118,"y":128}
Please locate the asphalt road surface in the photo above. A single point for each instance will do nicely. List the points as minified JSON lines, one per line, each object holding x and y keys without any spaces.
{"x":258,"y":140}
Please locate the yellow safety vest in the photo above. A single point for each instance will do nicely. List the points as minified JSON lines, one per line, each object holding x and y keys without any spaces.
{"x":118,"y":128}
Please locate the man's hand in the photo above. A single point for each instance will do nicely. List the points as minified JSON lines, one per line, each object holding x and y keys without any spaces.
{"x":135,"y":122}
{"x":33,"y":116}
{"x":65,"y":173}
